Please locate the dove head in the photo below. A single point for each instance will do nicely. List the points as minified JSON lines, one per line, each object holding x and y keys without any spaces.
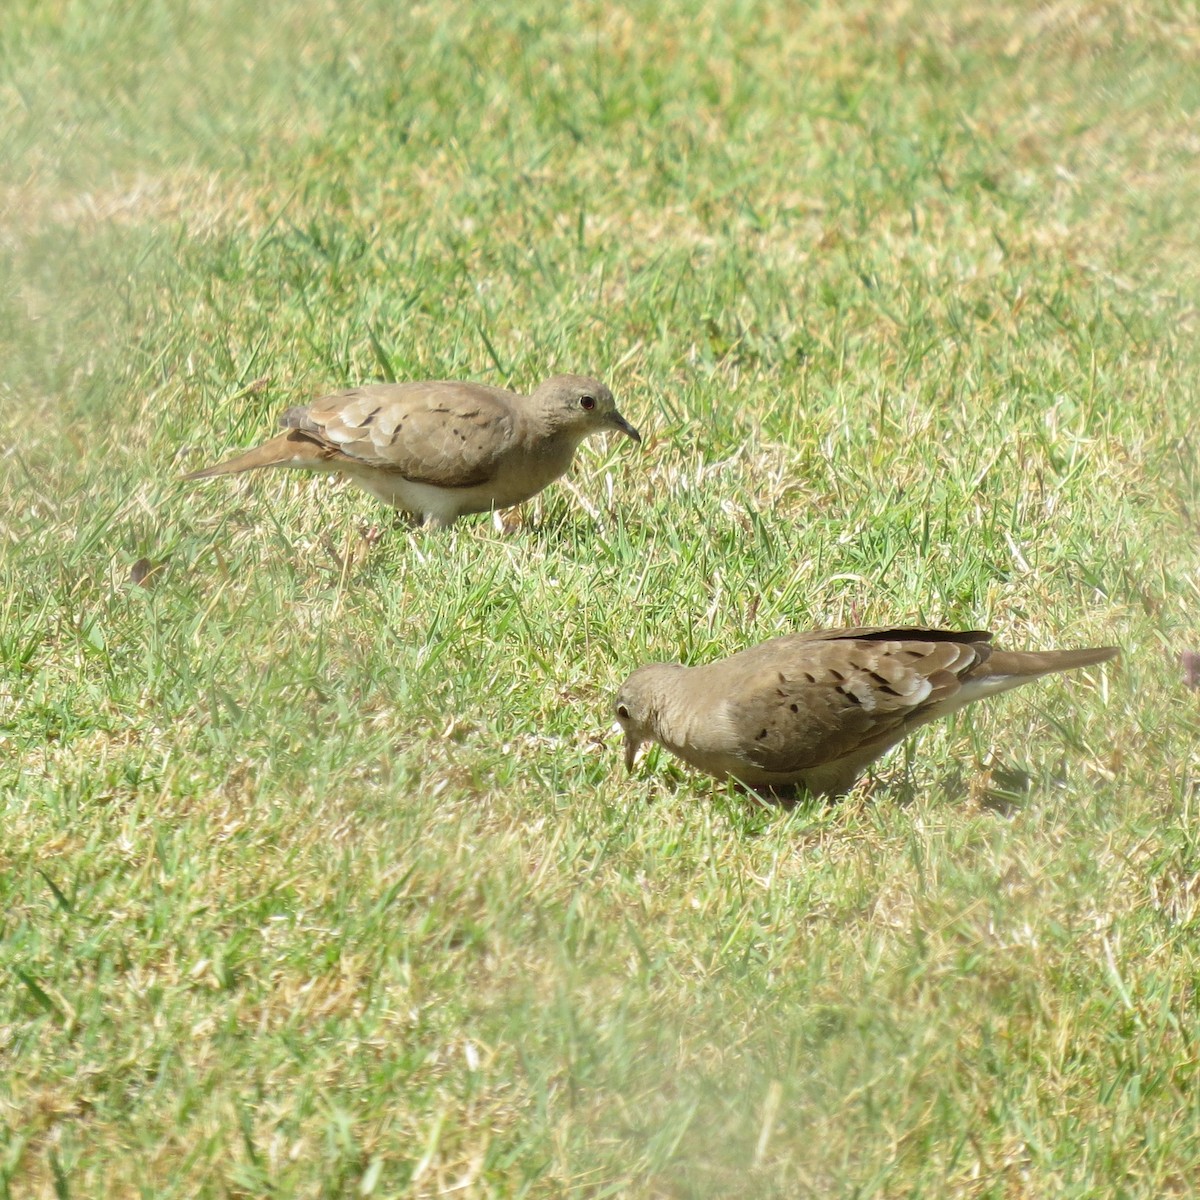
{"x":639,"y":705}
{"x":582,"y":405}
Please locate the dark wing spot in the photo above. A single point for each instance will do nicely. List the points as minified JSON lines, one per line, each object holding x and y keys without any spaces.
{"x":761,"y":736}
{"x":795,"y":708}
{"x":884,"y":684}
{"x":810,"y":677}
{"x":369,"y":418}
{"x":851,"y":697}
{"x":837,"y":675}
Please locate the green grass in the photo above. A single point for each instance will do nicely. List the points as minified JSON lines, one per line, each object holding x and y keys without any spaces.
{"x":319,"y":873}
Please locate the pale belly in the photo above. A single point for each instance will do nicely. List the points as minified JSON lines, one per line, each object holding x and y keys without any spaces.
{"x":442,"y":505}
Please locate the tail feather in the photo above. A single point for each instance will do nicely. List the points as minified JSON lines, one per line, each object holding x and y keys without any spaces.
{"x":1030,"y":663}
{"x":286,"y":450}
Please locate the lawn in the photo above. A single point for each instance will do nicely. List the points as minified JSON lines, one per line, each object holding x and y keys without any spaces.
{"x":320,"y":874}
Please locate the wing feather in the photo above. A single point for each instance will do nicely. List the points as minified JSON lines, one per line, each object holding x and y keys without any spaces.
{"x":446,"y":434}
{"x":804,"y":701}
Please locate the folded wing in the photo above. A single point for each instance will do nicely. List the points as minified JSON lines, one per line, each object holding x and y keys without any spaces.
{"x":813,"y":700}
{"x":446,"y":434}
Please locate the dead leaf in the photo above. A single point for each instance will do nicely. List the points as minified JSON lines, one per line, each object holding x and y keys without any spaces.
{"x":1189,"y":660}
{"x":145,"y":572}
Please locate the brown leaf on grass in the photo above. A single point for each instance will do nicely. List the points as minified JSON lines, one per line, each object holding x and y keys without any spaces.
{"x":1189,"y":660}
{"x":146,"y":573}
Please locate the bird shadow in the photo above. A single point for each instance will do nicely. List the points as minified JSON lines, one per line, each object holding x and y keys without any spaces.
{"x":752,"y":812}
{"x":1000,"y":788}
{"x":1003,"y":789}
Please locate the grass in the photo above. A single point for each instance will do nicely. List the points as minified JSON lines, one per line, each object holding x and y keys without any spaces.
{"x":320,"y":875}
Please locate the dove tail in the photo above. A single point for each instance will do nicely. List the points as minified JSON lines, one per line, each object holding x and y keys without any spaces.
{"x":1030,"y":663}
{"x":287,"y":450}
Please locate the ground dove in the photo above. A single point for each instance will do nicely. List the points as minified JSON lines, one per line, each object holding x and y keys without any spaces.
{"x":439,"y":450}
{"x":813,"y":709}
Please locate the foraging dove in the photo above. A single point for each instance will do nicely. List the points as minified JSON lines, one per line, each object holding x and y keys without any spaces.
{"x":439,"y":450}
{"x":813,"y":709}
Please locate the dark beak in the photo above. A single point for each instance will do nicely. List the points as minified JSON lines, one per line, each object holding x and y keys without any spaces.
{"x":632,"y":744}
{"x":625,"y":427}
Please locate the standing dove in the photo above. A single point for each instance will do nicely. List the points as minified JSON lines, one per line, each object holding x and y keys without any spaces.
{"x":439,"y":450}
{"x":813,"y":709}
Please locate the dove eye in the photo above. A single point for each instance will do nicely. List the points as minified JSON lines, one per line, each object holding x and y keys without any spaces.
{"x":587,"y":403}
{"x":622,"y":712}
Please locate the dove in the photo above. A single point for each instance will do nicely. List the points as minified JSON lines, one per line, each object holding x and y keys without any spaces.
{"x":812,"y":710}
{"x":439,"y":450}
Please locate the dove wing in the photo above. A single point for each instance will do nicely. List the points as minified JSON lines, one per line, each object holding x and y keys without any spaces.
{"x":807,"y":701}
{"x":442,"y":433}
